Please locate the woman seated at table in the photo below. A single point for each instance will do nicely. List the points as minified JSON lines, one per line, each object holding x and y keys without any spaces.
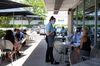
{"x":85,"y":44}
{"x":10,"y":37}
{"x":16,"y":47}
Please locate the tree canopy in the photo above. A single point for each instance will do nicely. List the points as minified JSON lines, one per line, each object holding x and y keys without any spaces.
{"x":4,"y":21}
{"x":38,"y":7}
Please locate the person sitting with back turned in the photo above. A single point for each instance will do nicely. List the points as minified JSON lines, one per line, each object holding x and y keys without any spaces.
{"x":9,"y":36}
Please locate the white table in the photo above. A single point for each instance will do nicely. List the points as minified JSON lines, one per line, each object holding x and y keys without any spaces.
{"x":69,"y":46}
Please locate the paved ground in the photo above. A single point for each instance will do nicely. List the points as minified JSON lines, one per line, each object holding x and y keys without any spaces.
{"x":34,"y":54}
{"x":91,"y":62}
{"x":37,"y":57}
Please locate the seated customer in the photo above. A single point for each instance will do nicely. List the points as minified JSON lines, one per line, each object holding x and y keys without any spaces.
{"x":85,"y":44}
{"x":9,"y":36}
{"x":63,"y":31}
{"x":19,"y":35}
{"x":77,"y":37}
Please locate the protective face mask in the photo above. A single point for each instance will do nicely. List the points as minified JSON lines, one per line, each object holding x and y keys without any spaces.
{"x":52,"y":21}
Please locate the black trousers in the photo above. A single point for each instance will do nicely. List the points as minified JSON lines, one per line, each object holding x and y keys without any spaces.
{"x":49,"y":51}
{"x":49,"y":54}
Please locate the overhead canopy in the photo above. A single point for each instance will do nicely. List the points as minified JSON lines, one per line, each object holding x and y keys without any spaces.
{"x":6,"y":4}
{"x":14,"y":11}
{"x":19,"y":12}
{"x":60,"y":5}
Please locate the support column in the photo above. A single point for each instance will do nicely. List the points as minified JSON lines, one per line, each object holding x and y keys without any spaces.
{"x":70,"y":21}
{"x":96,"y":20}
{"x":83,"y":13}
{"x":13,"y":22}
{"x":76,"y":16}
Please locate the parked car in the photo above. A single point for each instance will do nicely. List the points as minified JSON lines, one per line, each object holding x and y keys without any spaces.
{"x":38,"y":31}
{"x":42,"y":31}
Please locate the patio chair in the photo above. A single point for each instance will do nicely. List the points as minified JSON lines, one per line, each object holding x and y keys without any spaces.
{"x":7,"y":50}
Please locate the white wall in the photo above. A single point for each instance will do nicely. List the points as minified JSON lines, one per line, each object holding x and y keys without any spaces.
{"x":61,"y":17}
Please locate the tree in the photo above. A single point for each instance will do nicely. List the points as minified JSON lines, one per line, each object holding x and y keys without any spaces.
{"x":29,"y":21}
{"x":79,"y":15}
{"x":4,"y":21}
{"x":38,"y":7}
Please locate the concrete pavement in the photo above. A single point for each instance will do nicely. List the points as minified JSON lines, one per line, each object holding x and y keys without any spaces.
{"x":37,"y":57}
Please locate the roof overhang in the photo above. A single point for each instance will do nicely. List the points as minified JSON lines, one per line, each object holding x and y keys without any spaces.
{"x":6,"y":4}
{"x":61,"y":5}
{"x":15,"y":11}
{"x":24,"y":13}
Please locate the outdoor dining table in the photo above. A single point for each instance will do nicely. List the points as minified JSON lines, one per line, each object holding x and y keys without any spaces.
{"x":70,"y":47}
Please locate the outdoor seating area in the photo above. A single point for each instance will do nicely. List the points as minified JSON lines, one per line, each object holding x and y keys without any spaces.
{"x":83,"y":13}
{"x":50,"y":32}
{"x":11,"y":52}
{"x":69,"y":54}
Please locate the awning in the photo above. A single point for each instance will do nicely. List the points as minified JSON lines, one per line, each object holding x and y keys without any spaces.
{"x":15,"y":11}
{"x":7,"y":4}
{"x":24,"y":13}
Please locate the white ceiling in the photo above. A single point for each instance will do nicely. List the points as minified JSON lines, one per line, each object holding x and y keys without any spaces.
{"x":49,"y":4}
{"x":69,"y":4}
{"x":65,"y":5}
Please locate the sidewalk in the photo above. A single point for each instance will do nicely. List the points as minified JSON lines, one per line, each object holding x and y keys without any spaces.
{"x":37,"y":58}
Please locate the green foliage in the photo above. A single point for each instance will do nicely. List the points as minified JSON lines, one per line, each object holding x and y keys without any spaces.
{"x":4,"y":21}
{"x":28,"y":25}
{"x":38,"y":7}
{"x":2,"y":33}
{"x":20,"y":25}
{"x":79,"y":14}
